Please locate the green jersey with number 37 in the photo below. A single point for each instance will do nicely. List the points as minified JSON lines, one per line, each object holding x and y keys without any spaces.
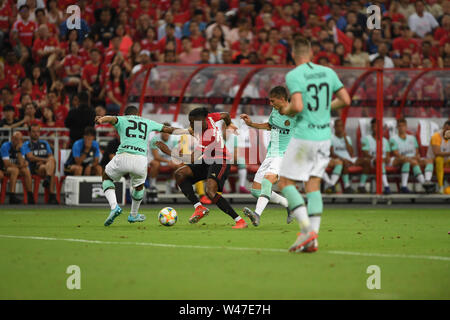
{"x":317,"y":84}
{"x":133,"y":132}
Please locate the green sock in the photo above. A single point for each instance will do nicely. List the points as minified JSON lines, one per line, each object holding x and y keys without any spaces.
{"x":255,"y":192}
{"x":416,"y":170}
{"x":383,"y":169}
{"x":346,"y":180}
{"x":406,"y":166}
{"x":315,"y":203}
{"x":266,"y":188}
{"x":363,"y":179}
{"x":293,"y":197}
{"x":338,"y":169}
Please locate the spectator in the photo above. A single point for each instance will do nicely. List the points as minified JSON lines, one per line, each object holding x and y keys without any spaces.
{"x":220,"y":21}
{"x":116,"y":89}
{"x":198,"y":41}
{"x":79,"y":117}
{"x":83,"y":31}
{"x":405,"y":42}
{"x":9,"y":122}
{"x":169,"y":38}
{"x":243,"y":31}
{"x":375,"y":39}
{"x":54,"y":15}
{"x":41,"y":19}
{"x":197,"y":18}
{"x":242,"y":56}
{"x":422,"y":22}
{"x":6,"y":20}
{"x":84,"y":157}
{"x":59,"y":110}
{"x":23,"y":29}
{"x":204,"y":57}
{"x":170,"y":56}
{"x":168,"y":21}
{"x":91,"y":78}
{"x":189,"y":54}
{"x":218,"y":34}
{"x":30,"y":115}
{"x":328,"y":52}
{"x":49,"y":121}
{"x":406,"y":60}
{"x":440,"y":151}
{"x":14,"y":71}
{"x":72,"y":66}
{"x":103,"y":30}
{"x":150,"y":43}
{"x":273,"y":49}
{"x":227,"y":58}
{"x":358,"y":57}
{"x":382,"y":53}
{"x":405,"y":8}
{"x":215,"y":55}
{"x":13,"y":157}
{"x":41,"y":161}
{"x":144,"y":59}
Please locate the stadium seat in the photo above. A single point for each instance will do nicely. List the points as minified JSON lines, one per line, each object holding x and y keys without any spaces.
{"x":58,"y":186}
{"x":4,"y":188}
{"x":37,"y":180}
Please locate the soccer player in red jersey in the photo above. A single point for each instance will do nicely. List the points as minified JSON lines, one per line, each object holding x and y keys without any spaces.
{"x":207,"y":162}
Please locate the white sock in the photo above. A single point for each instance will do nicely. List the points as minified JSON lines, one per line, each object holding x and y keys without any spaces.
{"x":242,"y":177}
{"x":261,"y":205}
{"x":301,"y":215}
{"x":110,"y":195}
{"x":420,"y":178}
{"x":385,"y":180}
{"x":326,"y":178}
{"x":428,"y":175}
{"x":153,"y":182}
{"x":135,"y":207}
{"x":405,"y":176}
{"x":279,"y":199}
{"x":334,"y":179}
{"x":197,"y":204}
{"x":237,"y":219}
{"x":315,"y":223}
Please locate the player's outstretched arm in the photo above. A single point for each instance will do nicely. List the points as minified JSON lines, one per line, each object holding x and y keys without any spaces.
{"x":187,"y":158}
{"x":250,"y":123}
{"x":106,"y":119}
{"x":293,"y":107}
{"x":225,"y":116}
{"x":342,"y":99}
{"x":176,"y":131}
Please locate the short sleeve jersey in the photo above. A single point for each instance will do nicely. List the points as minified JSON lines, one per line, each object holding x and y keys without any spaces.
{"x":133,"y":132}
{"x":8,"y":152}
{"x":282,"y":128}
{"x":369,"y":144}
{"x":212,"y":144}
{"x":317,"y":84}
{"x":339,"y":146}
{"x":406,"y":147}
{"x":172,"y":143}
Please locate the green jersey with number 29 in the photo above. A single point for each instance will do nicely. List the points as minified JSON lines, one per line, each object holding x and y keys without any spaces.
{"x":317,"y":84}
{"x":133,"y":132}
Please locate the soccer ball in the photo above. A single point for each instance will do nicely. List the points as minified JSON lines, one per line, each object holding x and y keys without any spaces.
{"x":167,"y":216}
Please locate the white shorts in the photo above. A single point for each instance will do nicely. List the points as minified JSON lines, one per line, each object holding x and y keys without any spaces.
{"x":271,"y":165}
{"x":304,"y":159}
{"x":127,"y":163}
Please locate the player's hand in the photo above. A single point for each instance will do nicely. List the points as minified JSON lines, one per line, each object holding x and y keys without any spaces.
{"x":162,"y":146}
{"x":447,"y":134}
{"x":246,"y":119}
{"x":233,"y":128}
{"x":97,"y":119}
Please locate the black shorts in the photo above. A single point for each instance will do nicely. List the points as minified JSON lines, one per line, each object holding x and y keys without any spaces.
{"x":203,"y":171}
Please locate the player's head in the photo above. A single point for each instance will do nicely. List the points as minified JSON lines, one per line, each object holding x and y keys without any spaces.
{"x":339,"y":127}
{"x":401,"y":126}
{"x":277,"y":96}
{"x":446,"y":125}
{"x":373,"y":126}
{"x":131,"y":111}
{"x":8,"y":112}
{"x":16,"y":138}
{"x":198,"y":114}
{"x":89,"y":135}
{"x":165,"y":136}
{"x":35,"y":130}
{"x":302,"y":49}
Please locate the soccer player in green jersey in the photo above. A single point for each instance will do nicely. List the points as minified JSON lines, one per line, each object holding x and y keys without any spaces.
{"x":405,"y":150}
{"x":281,"y":128}
{"x":311,"y":87}
{"x":130,"y":158}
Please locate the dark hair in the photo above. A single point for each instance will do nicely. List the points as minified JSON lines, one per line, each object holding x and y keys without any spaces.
{"x":83,"y":96}
{"x":89,"y":131}
{"x":24,"y":95}
{"x":44,"y":119}
{"x":39,"y":10}
{"x":34,"y":124}
{"x":121,"y":78}
{"x":199,"y":112}
{"x":401,"y":120}
{"x":131,"y":110}
{"x":374,"y":120}
{"x":167,"y":124}
{"x":279,"y":92}
{"x":9,"y":108}
{"x":447,"y":123}
{"x":170,"y":25}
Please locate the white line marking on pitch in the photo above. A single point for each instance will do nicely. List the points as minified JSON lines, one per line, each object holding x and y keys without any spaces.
{"x":165,"y":245}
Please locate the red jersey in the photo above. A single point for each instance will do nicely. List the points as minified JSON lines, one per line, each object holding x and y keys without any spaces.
{"x":41,"y":44}
{"x":402,"y":44}
{"x":5,"y":14}
{"x":14,"y":74}
{"x":150,"y":46}
{"x":73,"y":64}
{"x":25,"y":31}
{"x":114,"y":87}
{"x":90,"y":73}
{"x":211,"y":143}
{"x":332,"y":58}
{"x":198,"y":42}
{"x":61,"y":113}
{"x":279,"y":52}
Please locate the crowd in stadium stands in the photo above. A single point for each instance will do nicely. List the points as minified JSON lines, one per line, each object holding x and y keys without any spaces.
{"x":60,"y":77}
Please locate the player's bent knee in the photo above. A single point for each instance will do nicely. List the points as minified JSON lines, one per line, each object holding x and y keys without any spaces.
{"x":108,"y":184}
{"x":137,"y":195}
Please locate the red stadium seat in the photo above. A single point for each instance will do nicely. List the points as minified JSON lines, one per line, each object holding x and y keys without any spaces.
{"x":5,"y":185}
{"x":37,"y":180}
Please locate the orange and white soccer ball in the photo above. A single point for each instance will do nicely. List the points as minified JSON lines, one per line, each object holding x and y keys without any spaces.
{"x":168,"y":216}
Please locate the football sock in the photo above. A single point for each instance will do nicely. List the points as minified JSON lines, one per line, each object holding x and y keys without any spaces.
{"x":255,"y":192}
{"x":296,"y":204}
{"x":136,"y":199}
{"x":346,"y":180}
{"x":223,"y":205}
{"x":110,"y":195}
{"x":188,"y":191}
{"x":261,"y":205}
{"x":198,"y":204}
{"x":315,"y":208}
{"x":429,"y":171}
{"x":362,"y":181}
{"x":405,"y":173}
{"x":336,"y":174}
{"x":326,"y":178}
{"x":278,"y":199}
{"x":266,"y":188}
{"x":440,"y":170}
{"x":385,"y":180}
{"x":200,"y":188}
{"x":242,"y":177}
{"x":418,"y":174}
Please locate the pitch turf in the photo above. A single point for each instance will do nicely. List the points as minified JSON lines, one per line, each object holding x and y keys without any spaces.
{"x":135,"y":261}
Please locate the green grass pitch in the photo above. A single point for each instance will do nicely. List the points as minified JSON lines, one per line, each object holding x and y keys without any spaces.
{"x":210,"y":260}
